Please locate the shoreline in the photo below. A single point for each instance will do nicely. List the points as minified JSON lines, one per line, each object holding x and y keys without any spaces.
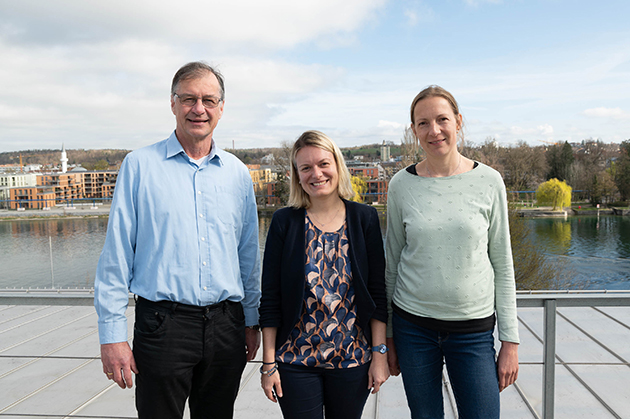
{"x":103,"y":211}
{"x":63,"y":212}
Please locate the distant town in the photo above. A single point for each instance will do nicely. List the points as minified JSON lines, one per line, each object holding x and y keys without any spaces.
{"x":598,"y":172}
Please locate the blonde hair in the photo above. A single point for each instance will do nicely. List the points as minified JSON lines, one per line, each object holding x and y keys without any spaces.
{"x":437,"y":91}
{"x":297,"y":197}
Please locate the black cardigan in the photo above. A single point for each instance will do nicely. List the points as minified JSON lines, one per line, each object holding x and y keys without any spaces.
{"x":283,"y":280}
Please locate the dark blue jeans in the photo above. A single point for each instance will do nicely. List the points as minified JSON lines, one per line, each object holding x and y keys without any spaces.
{"x":186,"y":352}
{"x":471,"y":366}
{"x":309,"y":391}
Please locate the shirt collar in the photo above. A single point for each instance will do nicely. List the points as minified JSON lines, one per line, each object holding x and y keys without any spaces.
{"x":173,"y":148}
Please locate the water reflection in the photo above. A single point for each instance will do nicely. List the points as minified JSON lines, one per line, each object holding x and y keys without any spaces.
{"x":597,"y":248}
{"x":25,"y":249}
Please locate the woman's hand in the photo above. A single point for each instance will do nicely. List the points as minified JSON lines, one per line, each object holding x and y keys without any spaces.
{"x":271,"y":383}
{"x":392,"y":357}
{"x":507,"y":364}
{"x":379,"y":371}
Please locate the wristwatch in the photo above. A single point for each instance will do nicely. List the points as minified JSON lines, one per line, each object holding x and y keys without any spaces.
{"x":255,"y":327}
{"x":382,"y":348}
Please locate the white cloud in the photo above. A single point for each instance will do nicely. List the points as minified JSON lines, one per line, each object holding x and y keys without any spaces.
{"x":389,"y":124}
{"x":475,"y":3}
{"x":545,"y":130}
{"x":418,"y":12}
{"x":218,"y":24}
{"x":98,"y":74}
{"x":412,"y":17}
{"x":601,"y":112}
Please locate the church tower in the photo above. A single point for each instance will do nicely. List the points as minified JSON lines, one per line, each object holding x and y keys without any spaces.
{"x":64,"y":159}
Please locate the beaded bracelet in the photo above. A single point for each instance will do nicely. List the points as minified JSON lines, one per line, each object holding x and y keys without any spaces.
{"x":270,"y":371}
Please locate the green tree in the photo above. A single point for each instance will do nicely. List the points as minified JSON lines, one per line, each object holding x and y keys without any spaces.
{"x":622,"y":171}
{"x":102,"y":164}
{"x":359,"y":185}
{"x":554,"y":193}
{"x":560,"y":159}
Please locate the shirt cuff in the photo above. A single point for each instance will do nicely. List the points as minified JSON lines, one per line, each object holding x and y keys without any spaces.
{"x":112,"y":332}
{"x":251,"y":316}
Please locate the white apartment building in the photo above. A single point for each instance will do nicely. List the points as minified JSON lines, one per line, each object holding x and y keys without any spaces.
{"x":17,"y":180}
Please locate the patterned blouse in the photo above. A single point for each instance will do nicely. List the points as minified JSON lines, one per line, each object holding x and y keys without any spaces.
{"x":326,"y":335}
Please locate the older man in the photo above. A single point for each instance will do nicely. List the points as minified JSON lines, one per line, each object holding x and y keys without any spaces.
{"x":183,"y":237}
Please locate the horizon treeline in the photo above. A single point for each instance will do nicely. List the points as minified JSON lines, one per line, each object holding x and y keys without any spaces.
{"x":600,"y":170}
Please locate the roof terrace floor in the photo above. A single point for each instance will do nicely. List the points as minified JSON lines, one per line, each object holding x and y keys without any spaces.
{"x":50,"y":368}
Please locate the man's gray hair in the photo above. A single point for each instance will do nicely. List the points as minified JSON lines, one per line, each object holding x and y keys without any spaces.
{"x":195,"y":70}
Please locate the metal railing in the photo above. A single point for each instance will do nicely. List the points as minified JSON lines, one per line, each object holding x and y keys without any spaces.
{"x":548,"y":300}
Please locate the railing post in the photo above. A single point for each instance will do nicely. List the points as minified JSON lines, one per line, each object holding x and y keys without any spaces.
{"x":549,"y":361}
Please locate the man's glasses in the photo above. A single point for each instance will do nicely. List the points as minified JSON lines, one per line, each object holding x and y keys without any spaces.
{"x":208,"y":102}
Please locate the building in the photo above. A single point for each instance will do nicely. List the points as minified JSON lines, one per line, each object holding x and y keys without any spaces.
{"x":99,"y":184}
{"x":66,"y":186}
{"x":31,"y":197}
{"x":64,"y":159}
{"x":45,"y":190}
{"x":367,"y":171}
{"x":385,"y":152}
{"x":15,"y":180}
{"x":260,"y":177}
{"x":376,"y":191}
{"x":9,"y":181}
{"x":270,"y":190}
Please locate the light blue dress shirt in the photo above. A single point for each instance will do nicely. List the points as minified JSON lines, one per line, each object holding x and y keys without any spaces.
{"x":178,"y":232}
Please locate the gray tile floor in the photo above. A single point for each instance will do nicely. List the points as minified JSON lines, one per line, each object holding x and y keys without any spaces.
{"x":49,"y":368}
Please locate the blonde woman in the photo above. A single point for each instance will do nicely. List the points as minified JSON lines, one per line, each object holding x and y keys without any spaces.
{"x":323,"y":306}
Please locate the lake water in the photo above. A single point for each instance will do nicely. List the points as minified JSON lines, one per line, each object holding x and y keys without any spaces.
{"x":597,"y":250}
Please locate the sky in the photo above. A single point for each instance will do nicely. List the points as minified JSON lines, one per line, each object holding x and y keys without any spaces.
{"x":96,"y":74}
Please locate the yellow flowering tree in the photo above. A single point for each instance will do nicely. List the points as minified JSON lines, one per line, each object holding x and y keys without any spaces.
{"x":554,"y":193}
{"x":359,"y":185}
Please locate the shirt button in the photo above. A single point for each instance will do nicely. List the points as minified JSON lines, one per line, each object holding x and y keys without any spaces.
{"x":198,"y":192}
{"x":203,"y":239}
{"x":201,"y":215}
{"x":205,"y":288}
{"x":204,"y":263}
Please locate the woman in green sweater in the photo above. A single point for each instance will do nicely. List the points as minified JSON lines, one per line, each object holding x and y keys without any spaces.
{"x":449,"y":272}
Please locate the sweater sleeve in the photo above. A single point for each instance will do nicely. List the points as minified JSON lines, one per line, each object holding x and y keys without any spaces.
{"x":376,"y":261}
{"x":394,"y":244}
{"x":500,"y":254}
{"x":270,"y":302}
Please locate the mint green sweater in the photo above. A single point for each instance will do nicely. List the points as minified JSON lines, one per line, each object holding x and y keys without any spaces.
{"x":448,"y":248}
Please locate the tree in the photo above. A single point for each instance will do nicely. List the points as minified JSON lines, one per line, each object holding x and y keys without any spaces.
{"x":410,"y":150}
{"x":622,"y":171}
{"x":590,"y":158}
{"x":524,"y":166}
{"x":282,"y":166}
{"x":554,"y":193}
{"x":490,"y":154}
{"x":602,"y":187}
{"x":560,"y":159}
{"x":101,"y":165}
{"x":282,"y":189}
{"x":359,"y":186}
